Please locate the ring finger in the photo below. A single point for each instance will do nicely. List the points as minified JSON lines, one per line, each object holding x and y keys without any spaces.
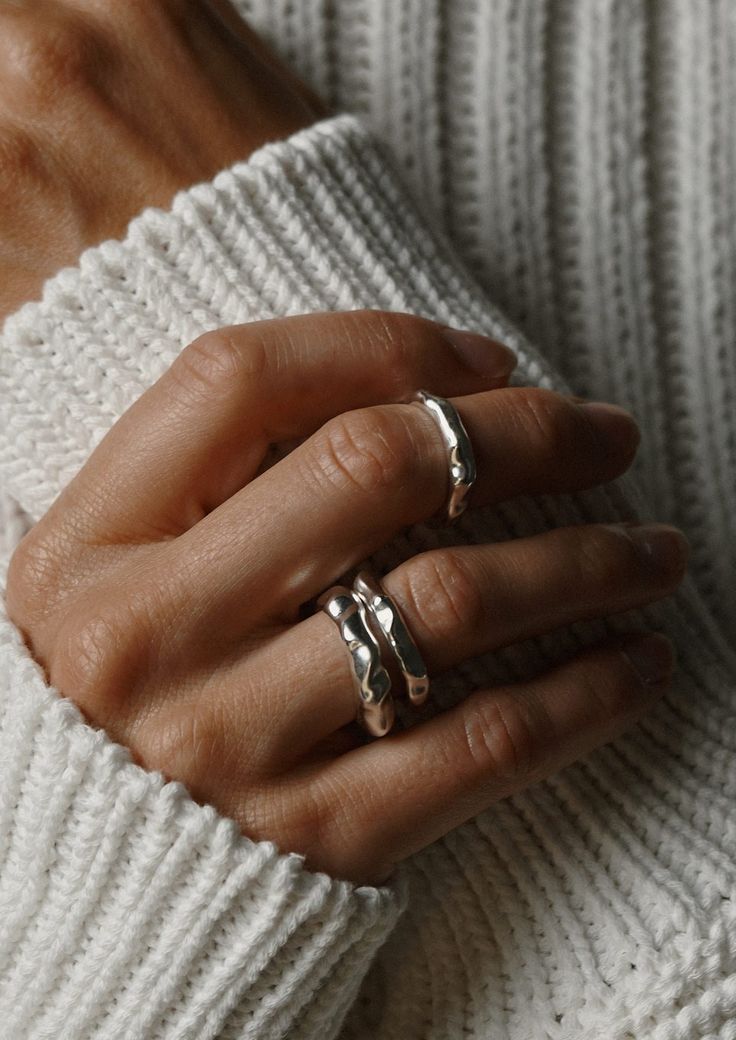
{"x":462,"y":602}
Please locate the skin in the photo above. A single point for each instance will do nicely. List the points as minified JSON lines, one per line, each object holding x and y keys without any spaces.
{"x":169,"y":590}
{"x":117,"y":69}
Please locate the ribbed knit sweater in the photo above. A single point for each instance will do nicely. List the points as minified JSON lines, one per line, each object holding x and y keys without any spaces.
{"x":562,"y":176}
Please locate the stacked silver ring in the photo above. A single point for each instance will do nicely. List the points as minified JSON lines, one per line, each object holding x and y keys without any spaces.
{"x":460,"y":455}
{"x":368,"y":617}
{"x":375,"y":704}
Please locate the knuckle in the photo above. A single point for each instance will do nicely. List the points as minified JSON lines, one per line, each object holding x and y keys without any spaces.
{"x":86,"y":652}
{"x":498,"y":741}
{"x":339,"y":830}
{"x":444,"y":594}
{"x":396,"y":338}
{"x":107,"y":645}
{"x":604,"y":557}
{"x":295,"y":814}
{"x":188,"y":746}
{"x":43,"y":56}
{"x":314,"y":825}
{"x":366,"y":450}
{"x":34,"y":576}
{"x":547,"y":421}
{"x":394,"y":328}
{"x":215,"y":360}
{"x":28,"y":566}
{"x":399,"y":328}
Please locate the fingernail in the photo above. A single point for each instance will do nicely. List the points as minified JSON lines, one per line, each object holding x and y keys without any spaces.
{"x":482,"y":354}
{"x":652,"y":658}
{"x":614,"y":423}
{"x":662,"y":547}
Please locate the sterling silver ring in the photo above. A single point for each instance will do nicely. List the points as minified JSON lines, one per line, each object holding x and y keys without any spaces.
{"x":398,"y":637}
{"x":355,"y":610}
{"x":460,"y":455}
{"x":376,"y":710}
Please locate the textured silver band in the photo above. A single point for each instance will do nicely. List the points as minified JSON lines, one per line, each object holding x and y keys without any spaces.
{"x":353,"y":610}
{"x":392,"y":624}
{"x":376,"y":711}
{"x":459,"y":451}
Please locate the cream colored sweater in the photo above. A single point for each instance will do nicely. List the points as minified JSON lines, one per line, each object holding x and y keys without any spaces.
{"x":567,"y":166}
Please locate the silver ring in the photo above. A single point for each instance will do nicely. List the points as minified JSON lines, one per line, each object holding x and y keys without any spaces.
{"x":397,"y":634}
{"x":376,"y":710}
{"x":459,"y":451}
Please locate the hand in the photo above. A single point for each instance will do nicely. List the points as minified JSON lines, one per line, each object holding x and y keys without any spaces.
{"x":106,"y":108}
{"x":163,"y":590}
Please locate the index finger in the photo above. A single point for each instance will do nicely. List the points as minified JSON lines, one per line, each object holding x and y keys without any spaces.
{"x":202,"y":431}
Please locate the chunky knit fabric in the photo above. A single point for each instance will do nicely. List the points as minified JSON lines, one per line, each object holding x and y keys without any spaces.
{"x":581,"y":154}
{"x":580,"y":157}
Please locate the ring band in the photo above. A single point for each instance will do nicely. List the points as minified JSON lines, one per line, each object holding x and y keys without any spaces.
{"x":354,"y":609}
{"x":376,"y":712}
{"x":397,"y":634}
{"x":459,"y":451}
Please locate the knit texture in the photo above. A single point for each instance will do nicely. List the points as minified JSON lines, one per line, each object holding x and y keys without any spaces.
{"x":581,"y":155}
{"x":598,"y":903}
{"x":129,"y":911}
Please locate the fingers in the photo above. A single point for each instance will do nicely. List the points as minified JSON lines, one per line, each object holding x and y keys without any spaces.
{"x":202,"y":431}
{"x":366,"y":474}
{"x":439,"y":774}
{"x":465,"y":601}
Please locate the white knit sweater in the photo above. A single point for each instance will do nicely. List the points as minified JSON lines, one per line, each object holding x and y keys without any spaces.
{"x":582,"y":156}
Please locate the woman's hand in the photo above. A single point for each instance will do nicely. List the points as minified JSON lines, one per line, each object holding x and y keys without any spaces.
{"x":109,"y":107}
{"x":164,"y":590}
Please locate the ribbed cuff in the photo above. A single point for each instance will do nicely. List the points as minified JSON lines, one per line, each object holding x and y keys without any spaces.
{"x":126,"y":909}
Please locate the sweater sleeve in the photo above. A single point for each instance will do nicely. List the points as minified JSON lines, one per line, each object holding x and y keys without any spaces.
{"x":125,"y":908}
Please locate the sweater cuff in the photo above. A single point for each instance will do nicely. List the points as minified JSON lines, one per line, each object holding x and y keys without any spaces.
{"x":126,"y":909}
{"x":315,"y":222}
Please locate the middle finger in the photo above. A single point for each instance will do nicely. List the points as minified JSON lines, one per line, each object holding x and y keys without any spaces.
{"x":367,"y":473}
